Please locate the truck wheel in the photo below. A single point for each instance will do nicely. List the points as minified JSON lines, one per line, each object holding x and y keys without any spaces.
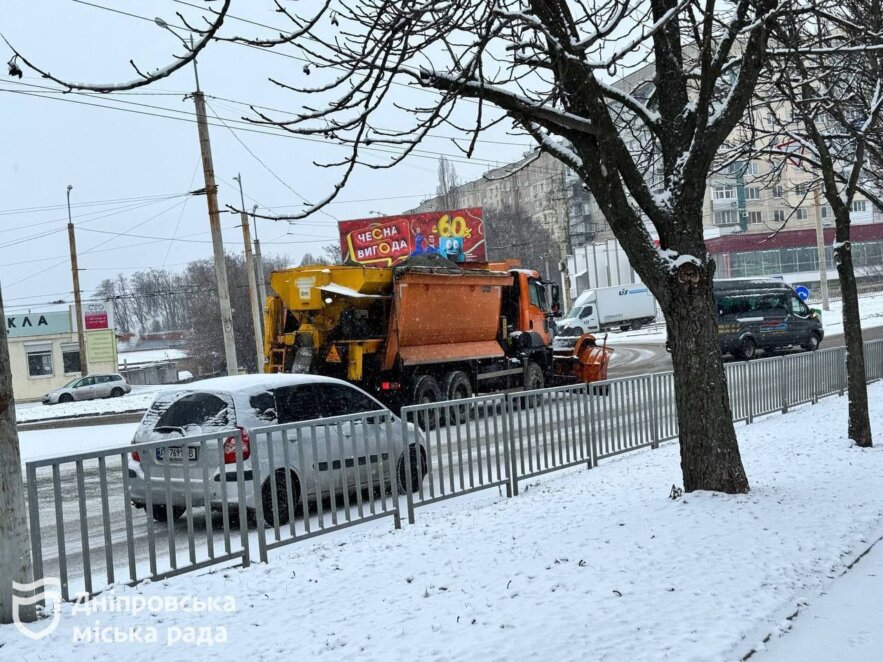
{"x":534,"y":378}
{"x":456,"y":386}
{"x":426,"y":390}
{"x":637,"y":324}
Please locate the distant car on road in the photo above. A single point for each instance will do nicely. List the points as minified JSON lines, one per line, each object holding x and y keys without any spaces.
{"x":89,"y":388}
{"x":248,"y":402}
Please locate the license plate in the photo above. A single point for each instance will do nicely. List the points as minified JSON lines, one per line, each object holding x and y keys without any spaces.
{"x":176,"y":453}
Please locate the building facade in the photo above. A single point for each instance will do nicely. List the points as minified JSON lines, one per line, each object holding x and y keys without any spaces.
{"x":44,"y":353}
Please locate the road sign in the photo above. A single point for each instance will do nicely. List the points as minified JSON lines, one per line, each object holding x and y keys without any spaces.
{"x":802,"y":291}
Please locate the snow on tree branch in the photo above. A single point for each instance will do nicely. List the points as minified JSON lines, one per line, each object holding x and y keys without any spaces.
{"x":205,"y":36}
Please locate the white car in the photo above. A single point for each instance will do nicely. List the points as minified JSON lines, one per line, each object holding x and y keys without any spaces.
{"x":89,"y":388}
{"x":250,"y":402}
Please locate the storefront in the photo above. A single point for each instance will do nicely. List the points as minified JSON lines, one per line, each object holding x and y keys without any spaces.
{"x":44,"y":353}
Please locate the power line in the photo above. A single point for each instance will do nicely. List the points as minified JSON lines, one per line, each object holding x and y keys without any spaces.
{"x":190,"y":118}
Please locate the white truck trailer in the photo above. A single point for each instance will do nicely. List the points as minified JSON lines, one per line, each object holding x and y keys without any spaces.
{"x":624,"y":307}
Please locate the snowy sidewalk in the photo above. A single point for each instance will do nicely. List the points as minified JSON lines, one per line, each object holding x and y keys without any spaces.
{"x":843,"y":625}
{"x":583,"y":565}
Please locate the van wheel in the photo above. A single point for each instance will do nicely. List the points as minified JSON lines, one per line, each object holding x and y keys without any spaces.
{"x":813,"y":343}
{"x":281,"y":504}
{"x":425,"y":391}
{"x":747,"y":349}
{"x":160,"y":512}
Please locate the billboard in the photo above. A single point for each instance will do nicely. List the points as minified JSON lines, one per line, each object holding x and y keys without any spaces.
{"x":387,"y":241}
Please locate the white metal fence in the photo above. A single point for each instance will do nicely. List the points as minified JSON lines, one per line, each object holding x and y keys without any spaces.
{"x":301,"y":480}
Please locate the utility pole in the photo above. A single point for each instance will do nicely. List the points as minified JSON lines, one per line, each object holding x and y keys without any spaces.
{"x":78,"y":301}
{"x":820,"y":244}
{"x":259,"y":264}
{"x":256,"y":308}
{"x":211,"y":194}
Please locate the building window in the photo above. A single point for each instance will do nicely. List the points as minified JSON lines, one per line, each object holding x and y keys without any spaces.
{"x":751,"y":169}
{"x":859,"y":205}
{"x":778,"y":191}
{"x":801,"y":214}
{"x":826,"y":211}
{"x":724,"y":192}
{"x":802,"y":188}
{"x":728,"y":217}
{"x":755,"y":217}
{"x":752,"y":193}
{"x":779,"y":216}
{"x":39,"y":360}
{"x":70,"y":356}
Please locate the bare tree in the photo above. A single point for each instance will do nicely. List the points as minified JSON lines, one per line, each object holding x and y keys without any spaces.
{"x":448,"y":185}
{"x":820,"y":107}
{"x":512,"y":233}
{"x":643,"y":150}
{"x":15,"y":549}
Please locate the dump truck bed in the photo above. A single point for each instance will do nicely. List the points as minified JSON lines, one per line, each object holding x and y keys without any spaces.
{"x":445,"y":316}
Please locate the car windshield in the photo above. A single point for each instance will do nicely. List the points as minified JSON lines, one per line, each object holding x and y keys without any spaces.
{"x":71,"y":382}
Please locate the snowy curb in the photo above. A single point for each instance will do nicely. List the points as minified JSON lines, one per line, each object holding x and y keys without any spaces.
{"x":789,"y":614}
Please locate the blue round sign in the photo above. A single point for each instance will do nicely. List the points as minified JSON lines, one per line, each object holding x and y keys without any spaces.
{"x":802,"y":291}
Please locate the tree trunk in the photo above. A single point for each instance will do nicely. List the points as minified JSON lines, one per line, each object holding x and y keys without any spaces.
{"x":710,"y":458}
{"x":859,"y":421}
{"x":15,"y":551}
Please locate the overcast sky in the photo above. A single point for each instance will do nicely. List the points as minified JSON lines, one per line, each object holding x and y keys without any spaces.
{"x":130,"y":169}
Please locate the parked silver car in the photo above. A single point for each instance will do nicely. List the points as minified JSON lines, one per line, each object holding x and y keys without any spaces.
{"x":250,"y":402}
{"x":89,"y":388}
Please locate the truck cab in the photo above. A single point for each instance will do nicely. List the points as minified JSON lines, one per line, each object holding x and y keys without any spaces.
{"x":528,"y":307}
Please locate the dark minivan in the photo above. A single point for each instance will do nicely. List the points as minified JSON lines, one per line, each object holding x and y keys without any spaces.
{"x":763,"y":314}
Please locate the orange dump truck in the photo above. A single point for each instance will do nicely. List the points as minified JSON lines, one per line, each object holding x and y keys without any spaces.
{"x":424,"y":332}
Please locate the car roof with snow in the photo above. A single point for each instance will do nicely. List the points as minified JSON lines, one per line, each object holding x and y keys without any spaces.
{"x":252,"y":383}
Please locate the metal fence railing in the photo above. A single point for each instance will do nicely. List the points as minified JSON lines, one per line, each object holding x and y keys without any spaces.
{"x":313,"y":477}
{"x":548,"y":430}
{"x":88,"y":527}
{"x":158,"y":509}
{"x":463,"y":449}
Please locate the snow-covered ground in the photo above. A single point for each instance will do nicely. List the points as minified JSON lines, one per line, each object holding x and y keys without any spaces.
{"x":871,"y":307}
{"x":42,"y":444}
{"x":589,"y":564}
{"x":138,"y":400}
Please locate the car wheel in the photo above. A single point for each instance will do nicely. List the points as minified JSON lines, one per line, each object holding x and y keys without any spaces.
{"x":281,"y":505}
{"x":117,"y":393}
{"x":416,"y":472}
{"x":161,"y":514}
{"x":747,"y":349}
{"x":426,"y":391}
{"x":65,"y":397}
{"x":813,"y":343}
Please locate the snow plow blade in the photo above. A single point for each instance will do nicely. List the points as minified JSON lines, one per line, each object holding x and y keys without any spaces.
{"x":585,"y":362}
